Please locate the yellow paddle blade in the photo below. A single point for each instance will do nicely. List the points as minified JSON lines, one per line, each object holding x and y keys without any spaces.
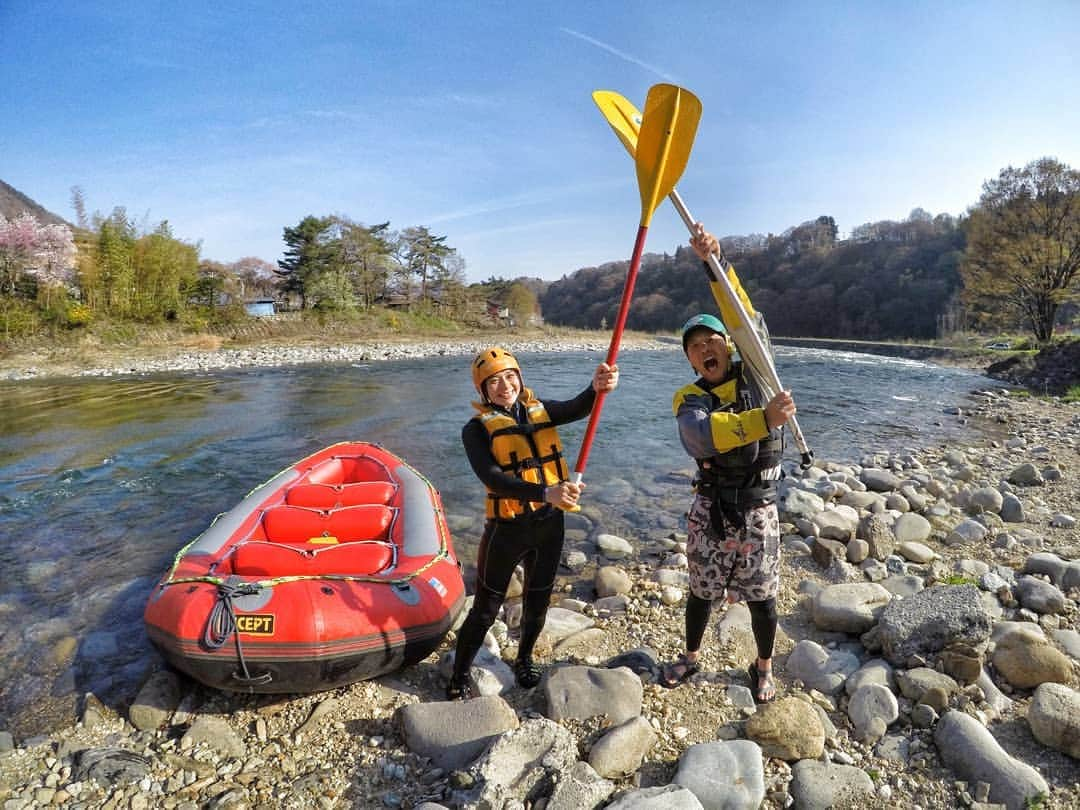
{"x":623,"y":117}
{"x":664,"y":142}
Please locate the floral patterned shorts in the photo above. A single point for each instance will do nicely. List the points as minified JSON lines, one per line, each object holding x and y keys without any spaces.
{"x":744,"y":564}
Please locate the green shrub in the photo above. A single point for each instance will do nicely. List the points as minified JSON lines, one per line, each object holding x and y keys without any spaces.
{"x":18,"y":319}
{"x":77,"y":315}
{"x":958,"y":579}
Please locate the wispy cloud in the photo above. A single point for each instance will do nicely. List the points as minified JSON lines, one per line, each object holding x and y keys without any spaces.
{"x":520,"y":227}
{"x":511,"y":202}
{"x":621,"y":54}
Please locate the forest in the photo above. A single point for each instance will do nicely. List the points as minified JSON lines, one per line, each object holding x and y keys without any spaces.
{"x":890,"y":280}
{"x":1011,"y":263}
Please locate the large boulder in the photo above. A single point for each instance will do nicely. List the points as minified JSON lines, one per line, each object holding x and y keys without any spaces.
{"x":927,"y":622}
{"x":1054,"y":717}
{"x":849,"y":607}
{"x":453,"y":733}
{"x":971,"y":752}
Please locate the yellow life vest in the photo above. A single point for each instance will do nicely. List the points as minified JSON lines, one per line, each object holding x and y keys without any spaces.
{"x":531,"y":452}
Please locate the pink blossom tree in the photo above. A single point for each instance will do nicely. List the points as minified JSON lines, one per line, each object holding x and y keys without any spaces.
{"x":44,"y":252}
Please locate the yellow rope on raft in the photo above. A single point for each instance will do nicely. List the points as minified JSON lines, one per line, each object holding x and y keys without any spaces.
{"x":442,"y":554}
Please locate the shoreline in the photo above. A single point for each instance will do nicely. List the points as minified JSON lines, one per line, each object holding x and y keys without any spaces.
{"x":180,"y":359}
{"x":190,"y":357}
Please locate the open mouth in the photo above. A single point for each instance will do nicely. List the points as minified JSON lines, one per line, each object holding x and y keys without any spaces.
{"x":711,"y":364}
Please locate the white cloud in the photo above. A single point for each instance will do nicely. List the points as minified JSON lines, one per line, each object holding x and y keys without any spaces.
{"x":621,"y":54}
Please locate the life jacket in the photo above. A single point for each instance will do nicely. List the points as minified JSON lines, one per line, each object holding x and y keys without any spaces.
{"x":530,"y":451}
{"x":735,"y":476}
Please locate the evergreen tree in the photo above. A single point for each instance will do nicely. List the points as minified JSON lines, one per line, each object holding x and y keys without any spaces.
{"x":309,"y":252}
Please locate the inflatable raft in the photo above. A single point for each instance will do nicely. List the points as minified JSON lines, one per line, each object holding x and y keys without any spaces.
{"x":338,"y":569}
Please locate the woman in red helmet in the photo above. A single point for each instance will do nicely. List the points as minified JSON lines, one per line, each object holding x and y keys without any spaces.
{"x":514,"y":449}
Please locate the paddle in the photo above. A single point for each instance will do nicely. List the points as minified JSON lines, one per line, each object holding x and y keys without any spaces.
{"x":663,"y":147}
{"x":628,"y":125}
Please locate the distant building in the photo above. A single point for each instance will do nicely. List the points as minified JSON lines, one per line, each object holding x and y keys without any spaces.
{"x":260,"y":308}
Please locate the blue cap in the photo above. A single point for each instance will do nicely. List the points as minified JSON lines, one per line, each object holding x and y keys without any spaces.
{"x":703,"y":320}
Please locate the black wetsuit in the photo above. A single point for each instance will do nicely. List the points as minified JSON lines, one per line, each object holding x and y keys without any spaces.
{"x":533,"y":540}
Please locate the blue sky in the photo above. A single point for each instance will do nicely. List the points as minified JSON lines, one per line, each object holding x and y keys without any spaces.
{"x":233,"y":120}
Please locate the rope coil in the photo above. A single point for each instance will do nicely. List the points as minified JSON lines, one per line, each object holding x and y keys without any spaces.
{"x":221,"y":624}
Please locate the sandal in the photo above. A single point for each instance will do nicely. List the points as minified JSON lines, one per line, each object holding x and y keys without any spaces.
{"x":763,"y":684}
{"x":459,"y":690}
{"x":678,"y":672}
{"x":526,"y":673}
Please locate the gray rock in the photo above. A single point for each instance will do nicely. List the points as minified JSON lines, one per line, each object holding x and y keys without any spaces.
{"x":1054,"y":717}
{"x":973,"y":754}
{"x":794,"y":503}
{"x":453,"y":733}
{"x":156,"y":701}
{"x":903,"y":585}
{"x":918,"y":553}
{"x":612,"y":581}
{"x":877,"y":533}
{"x":877,"y":671}
{"x":1026,"y":475}
{"x":613,"y":547}
{"x":575,"y":561}
{"x":878,"y":480}
{"x":911,"y":528}
{"x":1063,"y":573}
{"x":966,"y":531}
{"x":893,"y":747}
{"x":215,"y":733}
{"x":820,"y":785}
{"x":1067,"y":640}
{"x":621,"y":750}
{"x":1012,"y":509}
{"x":821,"y":669}
{"x":857,"y":550}
{"x":850,"y":607}
{"x":1040,"y":596}
{"x":582,"y":692}
{"x":665,"y":797}
{"x":580,"y":788}
{"x":1061,"y":520}
{"x":985,"y":499}
{"x":872,"y":702}
{"x":916,"y":682}
{"x":929,"y":621}
{"x":723,"y":775}
{"x":561,"y":623}
{"x":521,"y":761}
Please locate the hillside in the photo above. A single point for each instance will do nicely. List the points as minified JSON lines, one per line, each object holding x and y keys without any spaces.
{"x":13,"y":203}
{"x":889,"y":281}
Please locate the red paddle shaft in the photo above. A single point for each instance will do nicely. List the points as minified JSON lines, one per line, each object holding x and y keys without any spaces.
{"x":613,"y":351}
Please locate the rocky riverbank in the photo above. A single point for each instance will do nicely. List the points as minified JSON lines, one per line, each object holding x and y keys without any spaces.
{"x":928,"y":658}
{"x":123,"y":362}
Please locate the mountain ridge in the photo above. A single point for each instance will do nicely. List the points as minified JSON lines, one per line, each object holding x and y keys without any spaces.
{"x":13,"y":203}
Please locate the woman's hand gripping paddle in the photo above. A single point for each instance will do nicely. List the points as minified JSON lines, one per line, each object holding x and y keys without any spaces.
{"x":628,"y":125}
{"x":662,"y":149}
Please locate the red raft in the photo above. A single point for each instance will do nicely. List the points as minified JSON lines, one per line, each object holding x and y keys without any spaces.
{"x":337,"y":569}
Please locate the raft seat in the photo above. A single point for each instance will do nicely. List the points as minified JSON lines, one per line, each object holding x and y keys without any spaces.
{"x":348,"y":524}
{"x":348,"y":470}
{"x":263,"y":559}
{"x":331,"y":496}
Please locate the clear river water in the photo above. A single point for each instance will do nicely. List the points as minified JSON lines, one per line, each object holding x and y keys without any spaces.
{"x":102,"y":480}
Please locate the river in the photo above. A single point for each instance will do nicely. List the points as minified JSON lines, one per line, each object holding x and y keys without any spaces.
{"x":103,"y":480}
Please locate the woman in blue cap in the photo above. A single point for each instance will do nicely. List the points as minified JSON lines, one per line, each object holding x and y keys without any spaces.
{"x":735,"y":436}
